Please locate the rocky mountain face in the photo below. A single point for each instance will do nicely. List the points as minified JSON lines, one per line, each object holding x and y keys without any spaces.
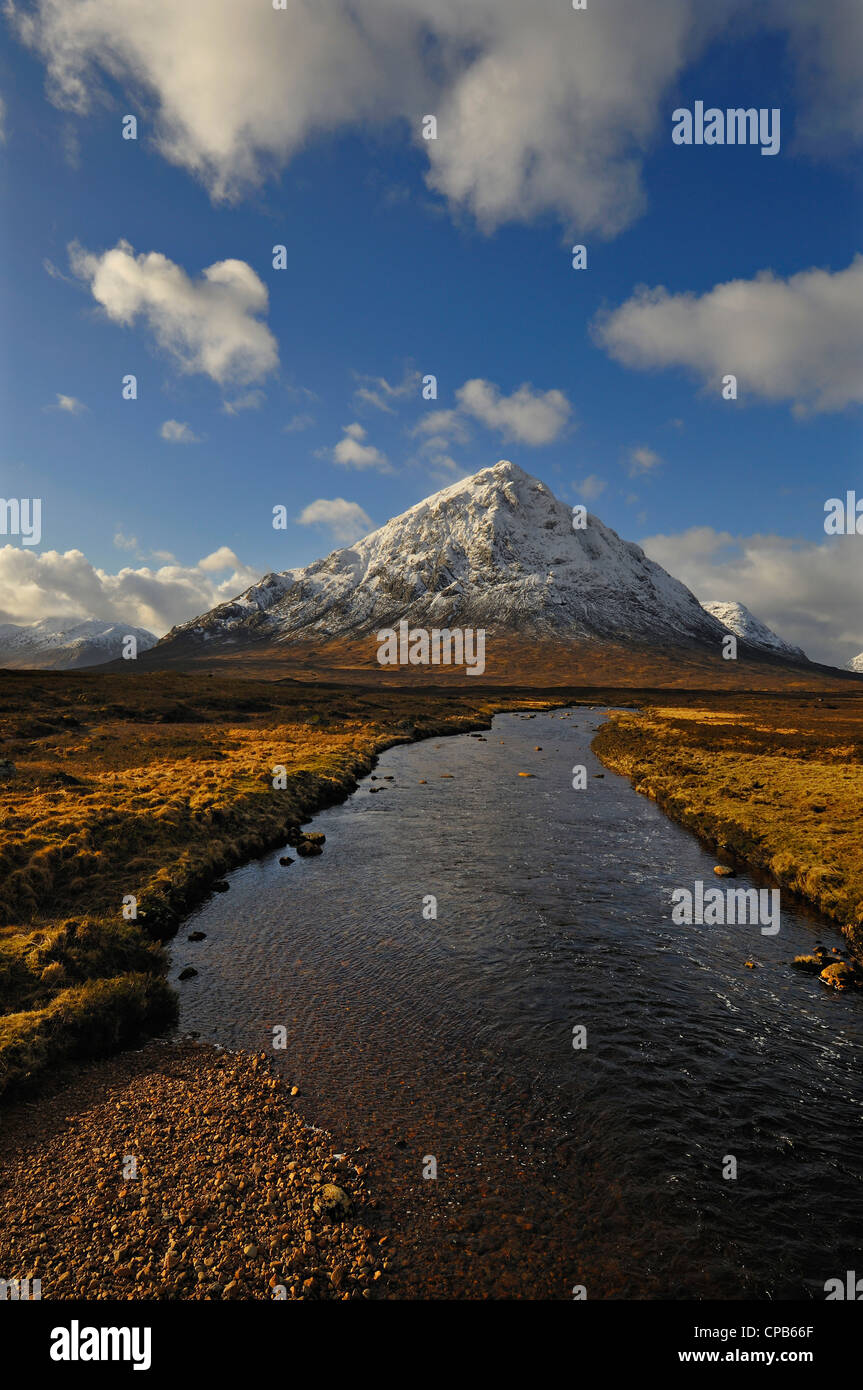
{"x":738,"y":619}
{"x":66,"y":644}
{"x":495,"y":551}
{"x":856,"y":663}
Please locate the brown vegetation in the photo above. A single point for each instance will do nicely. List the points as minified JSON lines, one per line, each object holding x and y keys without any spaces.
{"x":775,"y":782}
{"x":152,"y":786}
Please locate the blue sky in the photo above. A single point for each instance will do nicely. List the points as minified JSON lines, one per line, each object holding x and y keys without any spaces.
{"x":389,"y":278}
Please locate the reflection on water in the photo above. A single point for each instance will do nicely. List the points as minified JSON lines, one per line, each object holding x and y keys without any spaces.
{"x":453,"y":1037}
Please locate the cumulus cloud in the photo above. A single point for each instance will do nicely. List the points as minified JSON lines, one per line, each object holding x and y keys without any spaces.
{"x":51,"y":584}
{"x":351,"y":452}
{"x":541,"y":110}
{"x":797,"y":340}
{"x":297,"y":423}
{"x":642,"y":460}
{"x":527,"y":416}
{"x":443,"y":425}
{"x":177,"y":432}
{"x":211,"y":325}
{"x":346,"y":521}
{"x":807,"y":591}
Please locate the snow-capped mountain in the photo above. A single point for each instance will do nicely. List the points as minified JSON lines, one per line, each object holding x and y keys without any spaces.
{"x":495,"y":551}
{"x":738,"y":619}
{"x":856,"y":663}
{"x":66,"y":644}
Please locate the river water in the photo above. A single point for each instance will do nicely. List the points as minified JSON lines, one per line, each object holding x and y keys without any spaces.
{"x":451,"y":1038}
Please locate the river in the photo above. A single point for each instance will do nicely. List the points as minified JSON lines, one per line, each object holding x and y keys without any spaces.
{"x":450,"y":1038}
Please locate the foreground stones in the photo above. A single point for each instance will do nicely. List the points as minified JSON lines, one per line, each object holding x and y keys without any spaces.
{"x":839,"y":975}
{"x":232,"y":1196}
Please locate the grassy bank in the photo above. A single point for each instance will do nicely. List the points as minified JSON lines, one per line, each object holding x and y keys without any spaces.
{"x":150,"y":787}
{"x":776,"y":783}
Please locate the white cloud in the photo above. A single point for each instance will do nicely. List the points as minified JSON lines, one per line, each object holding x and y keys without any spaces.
{"x":346,"y":521}
{"x":351,"y":452}
{"x":541,"y":110}
{"x":176,"y":432}
{"x":798,"y":340}
{"x":211,"y":325}
{"x":249,"y":400}
{"x":297,"y":423}
{"x":807,"y":591}
{"x":527,"y":416}
{"x":124,"y":542}
{"x":590,"y":487}
{"x":34,"y":586}
{"x":642,"y":460}
{"x":70,"y":404}
{"x":378,"y":392}
{"x":443,"y":425}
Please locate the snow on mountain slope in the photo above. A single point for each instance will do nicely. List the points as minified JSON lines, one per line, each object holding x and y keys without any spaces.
{"x":856,"y":663}
{"x":738,"y":619}
{"x":65,"y":644}
{"x":495,"y":551}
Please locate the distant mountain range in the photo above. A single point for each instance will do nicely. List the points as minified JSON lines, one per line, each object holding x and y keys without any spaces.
{"x":856,"y":663}
{"x":66,"y":644}
{"x":496,"y":551}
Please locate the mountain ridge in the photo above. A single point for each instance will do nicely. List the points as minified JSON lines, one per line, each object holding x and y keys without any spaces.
{"x":67,"y":644}
{"x":744,"y":624}
{"x":495,"y":551}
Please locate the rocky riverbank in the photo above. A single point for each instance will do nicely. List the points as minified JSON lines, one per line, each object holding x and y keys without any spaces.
{"x":184,"y":1172}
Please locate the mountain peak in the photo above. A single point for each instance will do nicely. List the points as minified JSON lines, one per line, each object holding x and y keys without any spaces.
{"x":496,"y":550}
{"x":737,"y":618}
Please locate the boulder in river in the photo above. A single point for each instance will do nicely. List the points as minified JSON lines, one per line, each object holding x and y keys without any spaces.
{"x":811,"y":964}
{"x":285,"y":860}
{"x":196,"y":936}
{"x":187,"y":974}
{"x":306,"y":848}
{"x":838,"y":975}
{"x":724,"y":871}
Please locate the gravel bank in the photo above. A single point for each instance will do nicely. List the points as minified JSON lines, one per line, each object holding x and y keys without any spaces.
{"x":233,"y":1196}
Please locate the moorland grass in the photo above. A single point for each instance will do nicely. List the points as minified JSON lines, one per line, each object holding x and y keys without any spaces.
{"x":151,"y":787}
{"x":776,"y":783}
